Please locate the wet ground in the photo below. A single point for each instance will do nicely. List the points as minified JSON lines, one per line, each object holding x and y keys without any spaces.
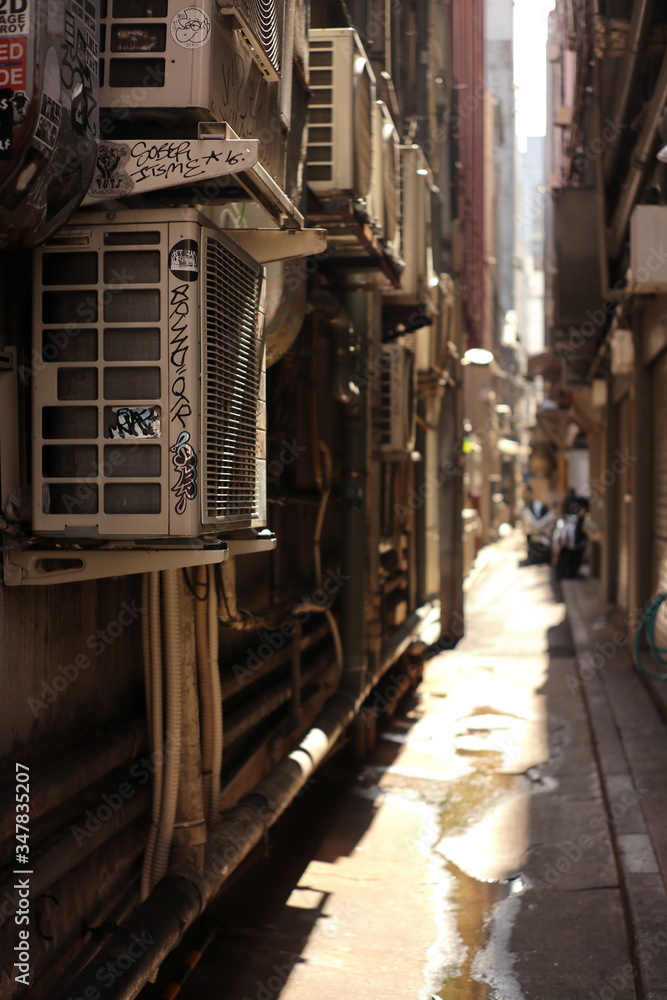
{"x":472,"y":856}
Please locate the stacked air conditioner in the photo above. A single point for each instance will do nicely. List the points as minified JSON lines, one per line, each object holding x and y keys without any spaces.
{"x":342,"y":153}
{"x":169,"y":68}
{"x":148,"y":391}
{"x":418,"y":280}
{"x":398,"y":401}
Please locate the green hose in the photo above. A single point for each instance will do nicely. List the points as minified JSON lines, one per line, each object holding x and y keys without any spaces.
{"x":647,"y":621}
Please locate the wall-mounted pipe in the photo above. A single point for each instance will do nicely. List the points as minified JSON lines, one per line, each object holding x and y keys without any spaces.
{"x":626,"y":77}
{"x":177,"y":901}
{"x":75,"y":772}
{"x":641,"y":163}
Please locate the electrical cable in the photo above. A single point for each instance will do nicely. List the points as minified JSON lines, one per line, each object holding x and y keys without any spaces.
{"x":647,"y":621}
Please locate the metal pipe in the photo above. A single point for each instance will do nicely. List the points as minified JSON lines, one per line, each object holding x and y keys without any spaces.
{"x":264,"y":704}
{"x":232,"y":685}
{"x":71,"y":845}
{"x":177,"y":901}
{"x":353,"y":592}
{"x":642,"y":160}
{"x":642,"y":13}
{"x":295,"y":675}
{"x":75,"y":772}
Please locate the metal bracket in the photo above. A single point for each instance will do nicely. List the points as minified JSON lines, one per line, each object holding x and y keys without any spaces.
{"x":266,"y":245}
{"x":25,"y":566}
{"x":141,"y":165}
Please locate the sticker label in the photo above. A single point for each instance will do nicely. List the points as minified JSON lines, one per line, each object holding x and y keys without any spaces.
{"x":14,"y":18}
{"x":190,"y":28}
{"x":135,"y":422}
{"x":111,"y":180}
{"x":184,"y":260}
{"x":13,"y":58}
{"x":49,"y":121}
{"x":6,"y":123}
{"x":184,"y":461}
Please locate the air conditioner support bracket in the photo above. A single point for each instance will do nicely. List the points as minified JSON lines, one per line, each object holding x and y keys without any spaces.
{"x":142,"y":165}
{"x":266,"y":245}
{"x":39,"y":567}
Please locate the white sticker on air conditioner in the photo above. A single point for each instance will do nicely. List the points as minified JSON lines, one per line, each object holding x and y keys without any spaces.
{"x":184,"y":260}
{"x":191,"y":28}
{"x":135,"y":422}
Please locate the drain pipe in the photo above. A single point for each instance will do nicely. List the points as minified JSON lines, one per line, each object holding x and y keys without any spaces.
{"x":353,"y":592}
{"x":641,"y":162}
{"x":154,"y":929}
{"x":642,"y":13}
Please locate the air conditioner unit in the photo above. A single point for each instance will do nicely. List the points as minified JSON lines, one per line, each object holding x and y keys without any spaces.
{"x":260,"y":25}
{"x":419,"y":281}
{"x":174,"y":67}
{"x":648,"y":262}
{"x":341,"y":117}
{"x":389,"y":170}
{"x":148,"y":386}
{"x":398,"y":401}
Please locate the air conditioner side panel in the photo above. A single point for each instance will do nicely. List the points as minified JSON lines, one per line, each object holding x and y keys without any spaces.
{"x":182,"y":349}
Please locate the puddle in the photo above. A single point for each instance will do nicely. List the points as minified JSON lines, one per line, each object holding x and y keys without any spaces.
{"x":484,"y":908}
{"x":470,"y":797}
{"x":472,"y":901}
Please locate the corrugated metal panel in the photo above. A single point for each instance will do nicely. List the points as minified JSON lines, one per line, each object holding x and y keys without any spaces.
{"x":659,"y":487}
{"x":623,"y":507}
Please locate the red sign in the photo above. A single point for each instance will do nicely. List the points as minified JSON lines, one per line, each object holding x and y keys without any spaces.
{"x":13,"y":57}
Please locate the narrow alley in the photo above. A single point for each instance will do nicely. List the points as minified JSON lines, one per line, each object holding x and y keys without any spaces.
{"x":511,"y":810}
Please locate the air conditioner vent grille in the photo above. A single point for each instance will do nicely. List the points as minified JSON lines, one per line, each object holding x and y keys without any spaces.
{"x":320,"y":110}
{"x":232,"y":370}
{"x":396,"y":418}
{"x":260,"y":23}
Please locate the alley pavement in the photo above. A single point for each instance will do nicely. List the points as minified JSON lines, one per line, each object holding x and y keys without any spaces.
{"x":506,"y":840}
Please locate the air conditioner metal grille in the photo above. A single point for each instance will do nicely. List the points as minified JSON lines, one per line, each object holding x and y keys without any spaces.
{"x":232,"y":372}
{"x":320,"y":112}
{"x":260,"y":23}
{"x":396,"y":420}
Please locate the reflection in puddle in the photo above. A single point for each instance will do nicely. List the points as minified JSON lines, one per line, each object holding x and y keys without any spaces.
{"x":478,"y":904}
{"x":473,"y":902}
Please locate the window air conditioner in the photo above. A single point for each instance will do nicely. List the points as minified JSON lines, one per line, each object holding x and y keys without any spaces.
{"x":148,"y":379}
{"x":398,"y":401}
{"x":173,"y":66}
{"x":341,"y":117}
{"x":418,"y":280}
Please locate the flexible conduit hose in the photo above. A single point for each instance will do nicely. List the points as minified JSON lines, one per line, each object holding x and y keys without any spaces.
{"x":174,"y":712}
{"x":659,"y":653}
{"x":202,"y":614}
{"x":324,"y":483}
{"x":216,"y":695}
{"x":156,"y":723}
